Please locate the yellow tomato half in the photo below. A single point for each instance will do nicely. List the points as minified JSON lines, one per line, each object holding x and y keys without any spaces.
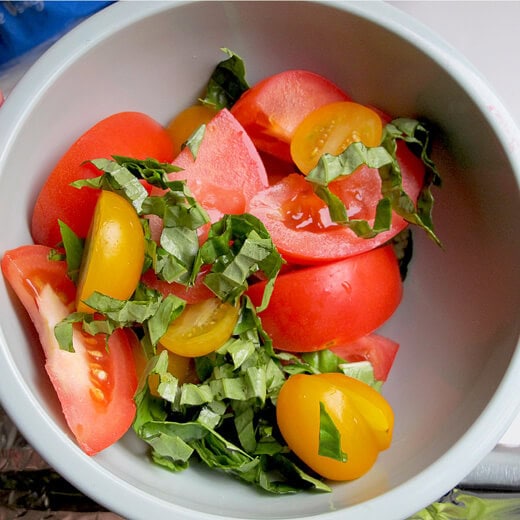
{"x":186,"y":122}
{"x":202,"y":328}
{"x":330,"y":129}
{"x":114,"y":251}
{"x":362,"y":416}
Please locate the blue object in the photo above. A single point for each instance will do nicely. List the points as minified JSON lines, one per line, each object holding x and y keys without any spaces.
{"x":24,"y":25}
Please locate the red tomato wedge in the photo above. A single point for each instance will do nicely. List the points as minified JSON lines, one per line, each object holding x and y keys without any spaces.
{"x":299,"y":223}
{"x":227,"y":171}
{"x":324,"y":306}
{"x":95,"y":386}
{"x":379,"y":350}
{"x":271,"y":110}
{"x":131,"y":134}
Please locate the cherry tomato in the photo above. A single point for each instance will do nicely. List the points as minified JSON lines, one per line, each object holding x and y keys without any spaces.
{"x":361,"y":415}
{"x":271,"y":110}
{"x":114,"y":251}
{"x":95,"y":384}
{"x":130,"y":134}
{"x":330,"y":129}
{"x":322,"y":306}
{"x":201,"y":328}
{"x":299,"y":222}
{"x":182,"y":126}
{"x":227,"y":170}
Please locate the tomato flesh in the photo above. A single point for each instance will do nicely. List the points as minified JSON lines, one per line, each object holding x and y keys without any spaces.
{"x":130,"y":134}
{"x":114,"y":253}
{"x":330,"y":129}
{"x":271,"y":110}
{"x":299,"y":222}
{"x":202,"y":328}
{"x":322,"y":306}
{"x":227,"y":171}
{"x":95,"y":386}
{"x":377,"y":349}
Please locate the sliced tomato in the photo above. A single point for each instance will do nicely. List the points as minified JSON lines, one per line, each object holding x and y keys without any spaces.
{"x":331,"y":129}
{"x":194,"y":294}
{"x":324,"y":306}
{"x":299,"y":222}
{"x":271,"y":110}
{"x":202,"y":328}
{"x":227,"y":171}
{"x":95,"y":386}
{"x":130,"y":134}
{"x":114,"y":251}
{"x":377,"y":349}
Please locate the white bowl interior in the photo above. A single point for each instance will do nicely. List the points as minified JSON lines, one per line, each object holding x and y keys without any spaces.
{"x":455,"y":384}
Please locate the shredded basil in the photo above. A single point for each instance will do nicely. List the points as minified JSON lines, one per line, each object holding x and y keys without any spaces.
{"x":227,"y":82}
{"x":393,"y":196}
{"x":330,"y":437}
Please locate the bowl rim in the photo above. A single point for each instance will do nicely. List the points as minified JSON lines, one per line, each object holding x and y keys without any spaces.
{"x":110,"y":490}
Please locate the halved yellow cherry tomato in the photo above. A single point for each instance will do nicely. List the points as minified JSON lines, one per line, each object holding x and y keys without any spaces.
{"x":201,"y":328}
{"x":114,"y":251}
{"x":186,"y":122}
{"x":330,"y":129}
{"x":362,"y":416}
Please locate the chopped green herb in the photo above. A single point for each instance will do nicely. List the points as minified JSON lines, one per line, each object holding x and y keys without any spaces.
{"x":227,"y":83}
{"x":330,"y":437}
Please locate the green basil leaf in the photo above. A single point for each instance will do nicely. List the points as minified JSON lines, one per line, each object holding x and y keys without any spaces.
{"x":393,"y":196}
{"x":329,"y":437}
{"x":73,"y":246}
{"x":227,"y":82}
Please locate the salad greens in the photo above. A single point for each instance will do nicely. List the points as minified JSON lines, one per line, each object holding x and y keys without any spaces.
{"x":227,"y":420}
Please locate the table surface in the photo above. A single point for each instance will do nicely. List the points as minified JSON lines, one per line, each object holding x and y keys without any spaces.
{"x":486,"y":33}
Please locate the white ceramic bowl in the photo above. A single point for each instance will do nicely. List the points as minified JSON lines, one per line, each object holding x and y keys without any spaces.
{"x":456,"y":383}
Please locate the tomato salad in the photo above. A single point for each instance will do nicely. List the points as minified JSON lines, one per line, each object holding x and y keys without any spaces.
{"x":217,"y":285}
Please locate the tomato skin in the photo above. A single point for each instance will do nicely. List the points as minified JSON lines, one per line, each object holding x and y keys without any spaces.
{"x":95,"y":386}
{"x":228,"y":170}
{"x":114,"y":252}
{"x":362,"y":416}
{"x":299,"y":222}
{"x":323,"y":306}
{"x":271,"y":110}
{"x":182,"y":126}
{"x":131,"y":134}
{"x":377,"y":349}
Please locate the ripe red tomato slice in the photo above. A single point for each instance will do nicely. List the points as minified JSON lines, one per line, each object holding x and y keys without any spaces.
{"x":271,"y":110}
{"x":95,"y":386}
{"x":377,"y":349}
{"x":324,"y":306}
{"x":131,"y":134}
{"x":299,"y":223}
{"x":227,"y":171}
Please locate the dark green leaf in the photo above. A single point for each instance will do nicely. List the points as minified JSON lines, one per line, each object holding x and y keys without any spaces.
{"x":330,"y":437}
{"x":227,"y":83}
{"x":73,"y":246}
